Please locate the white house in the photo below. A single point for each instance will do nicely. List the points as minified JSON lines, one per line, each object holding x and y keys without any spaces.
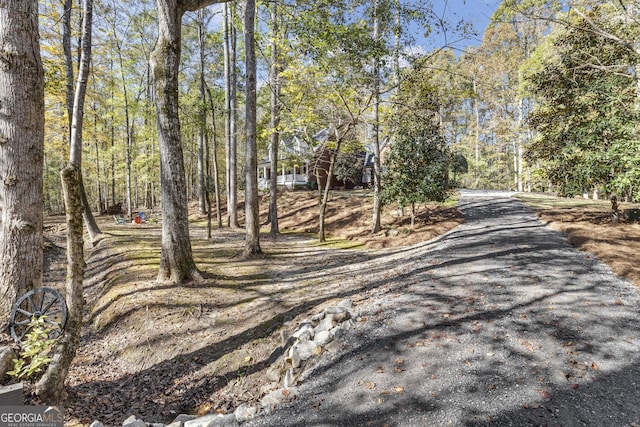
{"x":294,"y":158}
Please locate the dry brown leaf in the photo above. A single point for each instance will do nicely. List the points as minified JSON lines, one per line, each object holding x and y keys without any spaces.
{"x":399,"y":361}
{"x":399,"y":389}
{"x":595,"y":366}
{"x":371,"y":386}
{"x":380,"y":370}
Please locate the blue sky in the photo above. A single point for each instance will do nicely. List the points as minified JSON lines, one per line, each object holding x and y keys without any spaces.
{"x":476,"y":12}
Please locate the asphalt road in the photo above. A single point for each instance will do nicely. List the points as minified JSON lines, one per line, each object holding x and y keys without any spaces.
{"x":499,"y":323}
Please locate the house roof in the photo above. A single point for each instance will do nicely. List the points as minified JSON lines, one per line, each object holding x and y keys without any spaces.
{"x":296,"y":147}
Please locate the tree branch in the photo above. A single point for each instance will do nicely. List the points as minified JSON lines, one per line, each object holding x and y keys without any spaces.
{"x":193,"y":5}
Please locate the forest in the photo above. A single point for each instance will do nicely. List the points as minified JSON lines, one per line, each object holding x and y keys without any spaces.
{"x":160,"y":105}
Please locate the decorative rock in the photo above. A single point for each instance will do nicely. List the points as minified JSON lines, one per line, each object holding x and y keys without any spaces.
{"x":96,"y":424}
{"x":303,"y":331}
{"x":183,"y":418}
{"x":346,"y":303}
{"x":213,"y":420}
{"x":245,"y":412}
{"x":306,"y":349}
{"x":317,"y":317}
{"x":326,"y":324}
{"x":322,"y":338}
{"x":6,"y":360}
{"x":290,"y":379}
{"x":294,"y":357}
{"x":278,"y":396}
{"x":274,"y":373}
{"x":340,"y":314}
{"x":133,"y":421}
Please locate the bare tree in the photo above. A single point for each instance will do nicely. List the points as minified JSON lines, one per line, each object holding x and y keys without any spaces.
{"x":51,"y":386}
{"x":252,"y":223}
{"x":274,"y":79}
{"x":176,"y":259}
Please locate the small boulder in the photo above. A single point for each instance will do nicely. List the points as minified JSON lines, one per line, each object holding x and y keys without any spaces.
{"x":245,"y":412}
{"x":306,"y":349}
{"x":133,"y":421}
{"x":6,"y":360}
{"x":213,"y":420}
{"x":322,"y":338}
{"x":279,"y":396}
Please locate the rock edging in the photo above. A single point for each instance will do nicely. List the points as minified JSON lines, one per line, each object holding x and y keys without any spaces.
{"x":312,"y":336}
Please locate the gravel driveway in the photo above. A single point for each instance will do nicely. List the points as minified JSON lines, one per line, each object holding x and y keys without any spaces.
{"x":499,"y":322}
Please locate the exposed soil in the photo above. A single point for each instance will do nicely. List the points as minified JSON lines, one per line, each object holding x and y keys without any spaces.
{"x":157,"y":350}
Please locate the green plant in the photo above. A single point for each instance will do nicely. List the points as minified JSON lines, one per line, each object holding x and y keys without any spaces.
{"x":34,"y":356}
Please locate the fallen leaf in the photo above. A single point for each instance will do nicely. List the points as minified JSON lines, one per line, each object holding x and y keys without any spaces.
{"x":573,"y":386}
{"x":371,"y":386}
{"x":399,"y":389}
{"x":618,"y":301}
{"x":398,"y":370}
{"x":545,"y":395}
{"x":285,"y":392}
{"x":380,"y":401}
{"x":399,"y":361}
{"x":466,"y":362}
{"x":492,"y":386}
{"x":434,"y":377}
{"x":595,"y":366}
{"x":380,"y":370}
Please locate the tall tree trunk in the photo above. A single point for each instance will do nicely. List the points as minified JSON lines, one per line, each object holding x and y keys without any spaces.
{"x":202,"y":187}
{"x":476,"y":113}
{"x":275,"y":121}
{"x":176,"y":259}
{"x":129,"y":131}
{"x":216,"y":185}
{"x":252,"y":222}
{"x":51,"y":386}
{"x":21,"y":152}
{"x":227,"y":106}
{"x":232,"y":196}
{"x":325,"y":195}
{"x":327,"y":188}
{"x":92,"y":226}
{"x":376,"y":226}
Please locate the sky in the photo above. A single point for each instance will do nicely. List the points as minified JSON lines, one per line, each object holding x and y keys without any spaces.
{"x":476,"y":12}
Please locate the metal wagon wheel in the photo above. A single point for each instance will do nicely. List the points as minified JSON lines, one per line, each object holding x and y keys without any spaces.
{"x":39,"y":302}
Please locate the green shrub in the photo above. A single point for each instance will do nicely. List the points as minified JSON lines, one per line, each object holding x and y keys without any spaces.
{"x":34,"y":356}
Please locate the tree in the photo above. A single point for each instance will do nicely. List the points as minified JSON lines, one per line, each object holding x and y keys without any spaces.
{"x":349,"y":164}
{"x":586,"y":115}
{"x":252,"y":241}
{"x":274,"y":98}
{"x":176,"y":259}
{"x":89,"y":220}
{"x":417,"y":168}
{"x":231,"y":105}
{"x":51,"y":385}
{"x":21,"y":152}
